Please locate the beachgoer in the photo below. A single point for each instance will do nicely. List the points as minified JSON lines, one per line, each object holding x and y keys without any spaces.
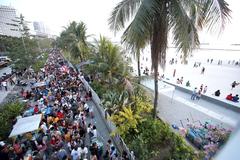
{"x":217,"y":93}
{"x":203,"y":70}
{"x":188,"y":84}
{"x":198,"y":95}
{"x":174,"y":72}
{"x":234,"y":84}
{"x":229,"y":97}
{"x":235,"y":98}
{"x":194,"y":94}
{"x":205,"y":90}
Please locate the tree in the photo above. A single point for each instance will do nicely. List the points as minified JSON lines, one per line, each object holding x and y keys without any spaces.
{"x":109,"y":65}
{"x":23,"y":27}
{"x":16,"y":51}
{"x":74,"y":39}
{"x":154,"y":19}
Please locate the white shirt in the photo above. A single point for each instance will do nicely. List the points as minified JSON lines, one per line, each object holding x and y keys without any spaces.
{"x":86,"y":106}
{"x":82,"y":151}
{"x":94,"y":133}
{"x":4,"y":84}
{"x":75,"y":154}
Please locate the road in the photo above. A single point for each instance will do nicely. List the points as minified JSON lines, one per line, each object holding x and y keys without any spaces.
{"x":4,"y":93}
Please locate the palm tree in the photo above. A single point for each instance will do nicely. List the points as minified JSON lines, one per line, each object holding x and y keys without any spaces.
{"x":135,"y":47}
{"x":154,"y":19}
{"x":74,"y":39}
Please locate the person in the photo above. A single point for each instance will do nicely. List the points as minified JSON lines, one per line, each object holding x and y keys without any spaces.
{"x":125,"y":156}
{"x":205,"y":90}
{"x":83,"y":152}
{"x":108,"y":149}
{"x":181,"y":80}
{"x":113,"y":153}
{"x":235,"y":98}
{"x":178,"y":81}
{"x":188,"y":84}
{"x":234,"y":84}
{"x":201,"y":87}
{"x":94,"y":150}
{"x":198,"y":95}
{"x":4,"y":151}
{"x":94,"y":131}
{"x":194,"y":94}
{"x":203,"y":70}
{"x":75,"y":154}
{"x":174,"y":72}
{"x":229,"y":97}
{"x":217,"y":93}
{"x":62,"y":154}
{"x":4,"y":84}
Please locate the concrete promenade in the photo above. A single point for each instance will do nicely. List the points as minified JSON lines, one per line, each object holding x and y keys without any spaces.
{"x":175,"y":106}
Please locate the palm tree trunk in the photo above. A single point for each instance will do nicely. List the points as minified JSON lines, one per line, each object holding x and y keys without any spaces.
{"x":155,"y":91}
{"x":138,"y":65}
{"x":158,"y":52}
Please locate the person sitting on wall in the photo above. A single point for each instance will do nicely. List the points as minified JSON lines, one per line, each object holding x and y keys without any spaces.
{"x":235,"y":98}
{"x":229,"y":97}
{"x":217,"y":93}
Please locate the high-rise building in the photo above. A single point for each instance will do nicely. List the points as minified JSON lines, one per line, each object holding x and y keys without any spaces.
{"x":39,"y":29}
{"x":8,"y":24}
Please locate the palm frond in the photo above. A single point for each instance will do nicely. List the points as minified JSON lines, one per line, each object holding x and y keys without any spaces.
{"x":122,"y":13}
{"x":213,"y":13}
{"x":185,"y":35}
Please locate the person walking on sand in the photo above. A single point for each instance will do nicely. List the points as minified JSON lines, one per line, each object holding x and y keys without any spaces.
{"x":203,"y":70}
{"x":174,"y":72}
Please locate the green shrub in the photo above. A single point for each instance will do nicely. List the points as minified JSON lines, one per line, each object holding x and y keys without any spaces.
{"x":157,"y":141}
{"x":8,"y":113}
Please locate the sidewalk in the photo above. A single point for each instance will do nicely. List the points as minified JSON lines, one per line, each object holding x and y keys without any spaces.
{"x":3,"y":93}
{"x":182,"y":107}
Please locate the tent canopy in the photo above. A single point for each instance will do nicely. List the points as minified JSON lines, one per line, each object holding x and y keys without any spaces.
{"x":26,"y":124}
{"x":39,"y":84}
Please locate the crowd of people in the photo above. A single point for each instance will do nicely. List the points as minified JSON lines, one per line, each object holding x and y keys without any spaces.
{"x":66,"y":130}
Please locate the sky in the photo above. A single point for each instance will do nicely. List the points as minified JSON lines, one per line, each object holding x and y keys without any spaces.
{"x":95,"y":13}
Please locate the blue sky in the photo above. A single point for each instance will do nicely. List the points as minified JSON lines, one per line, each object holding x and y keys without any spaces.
{"x":95,"y":13}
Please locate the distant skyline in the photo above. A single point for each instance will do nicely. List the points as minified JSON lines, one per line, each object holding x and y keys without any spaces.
{"x":58,"y":13}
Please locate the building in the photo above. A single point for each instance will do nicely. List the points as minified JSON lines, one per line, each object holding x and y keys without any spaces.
{"x":8,"y":22}
{"x":39,"y":29}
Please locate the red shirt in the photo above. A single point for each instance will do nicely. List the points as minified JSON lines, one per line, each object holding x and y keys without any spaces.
{"x":60,"y":115}
{"x":36,"y":110}
{"x":229,"y":97}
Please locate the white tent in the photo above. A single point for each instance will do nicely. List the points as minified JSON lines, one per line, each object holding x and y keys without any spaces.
{"x":26,"y":124}
{"x":39,"y":84}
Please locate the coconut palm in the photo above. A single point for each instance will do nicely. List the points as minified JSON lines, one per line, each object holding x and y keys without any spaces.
{"x":109,"y":63}
{"x":152,"y":20}
{"x":74,"y":39}
{"x":135,"y":46}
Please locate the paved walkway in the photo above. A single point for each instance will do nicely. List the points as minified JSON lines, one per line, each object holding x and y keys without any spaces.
{"x":103,"y":133}
{"x":3,"y":93}
{"x":182,"y":107}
